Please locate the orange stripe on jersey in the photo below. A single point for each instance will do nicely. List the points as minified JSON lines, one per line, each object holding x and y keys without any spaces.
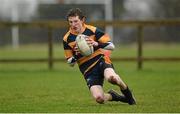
{"x":72,"y":44}
{"x":107,"y":60}
{"x":90,"y":67}
{"x":66,"y":36}
{"x":93,"y":37}
{"x":104,"y":39}
{"x":68,"y":53}
{"x":90,"y":27}
{"x":84,"y":59}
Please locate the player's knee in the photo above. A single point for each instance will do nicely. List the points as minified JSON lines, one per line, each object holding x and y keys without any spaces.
{"x":99,"y":99}
{"x":112,"y":79}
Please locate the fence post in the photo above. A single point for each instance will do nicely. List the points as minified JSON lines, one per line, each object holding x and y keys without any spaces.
{"x":50,"y":48}
{"x":140,"y":50}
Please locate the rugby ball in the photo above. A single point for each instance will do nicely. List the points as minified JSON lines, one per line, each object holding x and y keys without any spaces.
{"x":83,"y":46}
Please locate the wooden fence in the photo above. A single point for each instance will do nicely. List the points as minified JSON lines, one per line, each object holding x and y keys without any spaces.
{"x":50,"y":25}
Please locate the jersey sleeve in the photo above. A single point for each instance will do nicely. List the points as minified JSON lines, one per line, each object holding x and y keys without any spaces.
{"x":67,"y":50}
{"x":103,"y":39}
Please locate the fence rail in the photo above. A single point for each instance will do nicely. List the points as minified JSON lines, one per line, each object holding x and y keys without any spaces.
{"x":115,"y":23}
{"x":50,"y":25}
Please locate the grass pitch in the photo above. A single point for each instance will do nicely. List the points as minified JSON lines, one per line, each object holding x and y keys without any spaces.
{"x":31,"y":87}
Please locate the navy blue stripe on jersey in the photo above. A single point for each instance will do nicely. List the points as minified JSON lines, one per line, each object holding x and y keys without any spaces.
{"x":88,"y":63}
{"x":88,"y":32}
{"x":98,"y":34}
{"x":102,"y":45}
{"x":66,"y":46}
{"x":71,"y":38}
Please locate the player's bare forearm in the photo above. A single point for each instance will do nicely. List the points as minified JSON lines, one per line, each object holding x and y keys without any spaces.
{"x":71,"y":61}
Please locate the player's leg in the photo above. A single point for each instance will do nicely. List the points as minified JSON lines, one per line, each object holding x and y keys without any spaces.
{"x":113,"y":78}
{"x":98,"y":94}
{"x":95,"y":81}
{"x":101,"y":97}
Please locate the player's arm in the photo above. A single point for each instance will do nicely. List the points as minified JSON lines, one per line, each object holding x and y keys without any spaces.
{"x":107,"y":46}
{"x":71,"y":60}
{"x":102,"y":41}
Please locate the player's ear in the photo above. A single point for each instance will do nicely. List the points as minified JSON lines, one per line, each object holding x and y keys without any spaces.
{"x":83,"y":19}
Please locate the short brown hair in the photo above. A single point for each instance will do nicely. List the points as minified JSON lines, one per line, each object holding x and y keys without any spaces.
{"x":75,"y":12}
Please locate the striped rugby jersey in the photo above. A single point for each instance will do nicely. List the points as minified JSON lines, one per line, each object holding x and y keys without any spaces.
{"x":85,"y":63}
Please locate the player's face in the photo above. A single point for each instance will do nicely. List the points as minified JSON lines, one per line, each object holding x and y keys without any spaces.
{"x":76,"y":24}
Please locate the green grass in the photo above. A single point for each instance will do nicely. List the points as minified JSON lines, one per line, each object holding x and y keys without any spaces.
{"x":41,"y":51}
{"x":31,"y":87}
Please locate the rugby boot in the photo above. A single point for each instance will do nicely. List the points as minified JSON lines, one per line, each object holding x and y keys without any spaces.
{"x":117,"y":97}
{"x":128,"y":94}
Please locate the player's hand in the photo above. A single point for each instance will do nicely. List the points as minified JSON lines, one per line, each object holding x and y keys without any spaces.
{"x":91,"y":42}
{"x":76,"y":50}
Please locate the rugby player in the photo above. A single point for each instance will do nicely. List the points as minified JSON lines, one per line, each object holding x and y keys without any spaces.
{"x":98,"y":66}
